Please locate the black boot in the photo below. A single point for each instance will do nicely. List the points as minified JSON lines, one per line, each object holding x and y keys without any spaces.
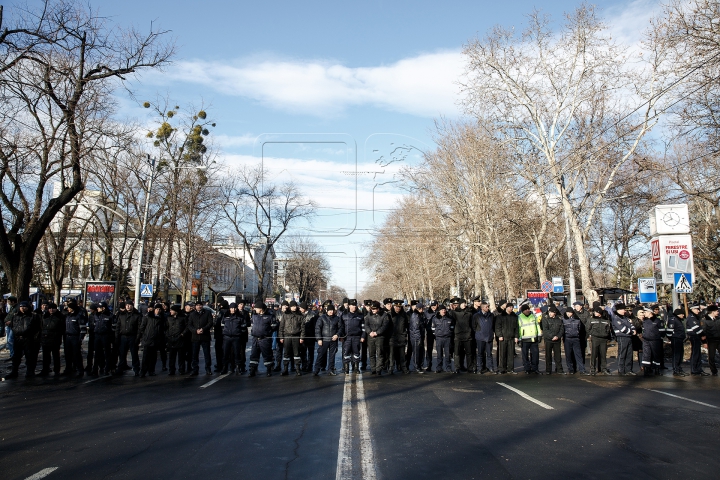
{"x":356,"y":367}
{"x":286,"y":364}
{"x":346,"y":368}
{"x":252,"y":371}
{"x":298,"y":370}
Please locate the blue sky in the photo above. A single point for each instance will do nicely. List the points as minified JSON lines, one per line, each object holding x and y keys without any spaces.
{"x":370,"y":77}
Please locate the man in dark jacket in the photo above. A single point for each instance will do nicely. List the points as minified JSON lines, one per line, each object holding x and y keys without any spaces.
{"x":200,"y":324}
{"x":398,"y":341}
{"x":25,"y":326}
{"x":506,"y":331}
{"x":326,"y":333}
{"x":711,"y":327}
{"x":243,"y":336}
{"x":51,"y":335}
{"x":443,"y":327}
{"x":484,"y":328}
{"x":291,"y":335}
{"x":463,"y":337}
{"x":553,"y":331}
{"x":175,"y":339}
{"x":151,"y":334}
{"x":264,"y":324}
{"x":416,"y":334}
{"x":376,"y":324}
{"x":128,"y":323}
{"x":352,"y":333}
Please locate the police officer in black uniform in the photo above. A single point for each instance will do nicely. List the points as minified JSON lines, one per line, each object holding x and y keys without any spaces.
{"x":200,"y":324}
{"x":175,"y":339}
{"x":101,"y":325}
{"x":463,"y":338}
{"x":263,"y":325}
{"x":675,"y":331}
{"x":74,"y":325}
{"x":624,"y":333}
{"x":506,"y":331}
{"x":430,"y":313}
{"x":443,"y":327}
{"x":398,"y":341}
{"x":128,"y":322}
{"x":352,"y":333}
{"x":376,"y":324}
{"x":25,"y":325}
{"x":652,"y":343}
{"x":307,"y":348}
{"x":327,"y":328}
{"x":151,"y":334}
{"x":553,"y":331}
{"x":51,"y":335}
{"x":599,"y":331}
{"x":696,"y":335}
{"x":232,"y":325}
{"x":416,"y":334}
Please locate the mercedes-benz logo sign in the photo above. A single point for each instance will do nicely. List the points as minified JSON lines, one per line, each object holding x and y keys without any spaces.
{"x":671,"y":219}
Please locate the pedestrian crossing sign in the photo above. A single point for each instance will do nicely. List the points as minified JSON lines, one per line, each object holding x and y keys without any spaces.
{"x":683,"y":283}
{"x":146,"y":290}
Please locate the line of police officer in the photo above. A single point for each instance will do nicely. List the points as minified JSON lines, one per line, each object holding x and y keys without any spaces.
{"x":389,"y":336}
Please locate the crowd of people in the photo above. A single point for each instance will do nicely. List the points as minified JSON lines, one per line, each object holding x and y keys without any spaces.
{"x":384,"y":338}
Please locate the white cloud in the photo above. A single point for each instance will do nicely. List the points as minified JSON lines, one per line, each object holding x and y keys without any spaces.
{"x":423,"y":85}
{"x":628,"y":23}
{"x":234,"y":141}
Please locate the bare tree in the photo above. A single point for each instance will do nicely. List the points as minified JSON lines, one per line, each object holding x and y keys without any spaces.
{"x":574,"y":96}
{"x":307,"y":268}
{"x":56,"y":101}
{"x":260,"y":213}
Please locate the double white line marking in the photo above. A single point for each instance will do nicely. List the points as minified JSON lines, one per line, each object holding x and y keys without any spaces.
{"x":355,"y":419}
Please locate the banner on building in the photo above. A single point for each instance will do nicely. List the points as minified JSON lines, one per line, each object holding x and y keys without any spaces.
{"x":96,"y":292}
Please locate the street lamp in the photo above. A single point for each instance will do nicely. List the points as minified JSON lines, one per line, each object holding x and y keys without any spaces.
{"x":143,"y":232}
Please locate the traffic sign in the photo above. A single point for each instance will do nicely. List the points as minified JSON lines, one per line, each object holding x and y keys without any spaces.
{"x":683,"y":283}
{"x":146,"y":290}
{"x":558,"y":285}
{"x":647,"y":290}
{"x":546,"y":286}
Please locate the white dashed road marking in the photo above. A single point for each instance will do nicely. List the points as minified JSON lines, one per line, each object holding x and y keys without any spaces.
{"x":214,"y":381}
{"x":94,"y":380}
{"x":683,"y":398}
{"x":367,"y":456}
{"x":42,"y":473}
{"x":527,"y":397}
{"x":344,"y":463}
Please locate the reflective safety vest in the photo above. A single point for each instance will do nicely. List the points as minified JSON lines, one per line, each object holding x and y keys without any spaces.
{"x":529,"y":328}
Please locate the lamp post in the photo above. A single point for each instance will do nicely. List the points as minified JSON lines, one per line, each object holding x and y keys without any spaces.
{"x":143,"y":231}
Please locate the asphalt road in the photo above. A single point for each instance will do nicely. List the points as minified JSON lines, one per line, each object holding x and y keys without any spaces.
{"x":393,"y":427}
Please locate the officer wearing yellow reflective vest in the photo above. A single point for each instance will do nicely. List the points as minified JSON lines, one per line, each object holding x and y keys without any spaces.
{"x":529,"y":333}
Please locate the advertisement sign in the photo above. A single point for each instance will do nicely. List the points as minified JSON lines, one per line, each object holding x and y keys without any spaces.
{"x":96,"y":292}
{"x":672,"y":254}
{"x":195,"y":291}
{"x":536,"y":297}
{"x":647,"y":290}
